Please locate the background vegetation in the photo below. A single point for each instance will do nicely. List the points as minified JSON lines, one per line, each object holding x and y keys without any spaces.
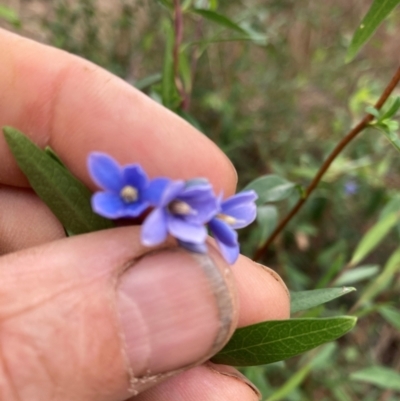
{"x":273,"y":91}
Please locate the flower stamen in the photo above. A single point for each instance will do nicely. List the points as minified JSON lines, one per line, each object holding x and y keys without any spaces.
{"x":180,"y":207}
{"x":227,"y":219}
{"x":129,"y":194}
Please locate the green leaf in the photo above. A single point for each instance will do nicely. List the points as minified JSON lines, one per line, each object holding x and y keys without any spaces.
{"x":378,"y":11}
{"x":9,"y":15}
{"x":277,"y":340}
{"x":169,"y":92}
{"x":65,"y":195}
{"x":267,"y":218}
{"x":219,"y":19}
{"x":357,"y":274}
{"x":379,"y":376}
{"x":271,"y":188}
{"x":392,"y":137}
{"x":373,"y":237}
{"x":392,"y":110}
{"x":383,"y":281}
{"x":303,"y":300}
{"x":391,"y":315}
{"x":148,"y":81}
{"x":321,"y":359}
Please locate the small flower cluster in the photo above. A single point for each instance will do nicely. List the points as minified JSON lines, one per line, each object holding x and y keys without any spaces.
{"x":182,"y":209}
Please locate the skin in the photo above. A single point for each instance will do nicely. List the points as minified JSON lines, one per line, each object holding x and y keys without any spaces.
{"x":62,"y":337}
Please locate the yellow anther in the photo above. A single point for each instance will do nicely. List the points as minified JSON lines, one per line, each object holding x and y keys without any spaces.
{"x":227,"y":219}
{"x":129,"y":194}
{"x":179,"y":207}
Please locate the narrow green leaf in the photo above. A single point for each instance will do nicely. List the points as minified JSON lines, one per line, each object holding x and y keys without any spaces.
{"x":392,"y":137}
{"x":277,"y":340}
{"x":373,"y":237}
{"x":267,"y":219}
{"x":66,"y":196}
{"x":392,"y":109}
{"x":148,"y":81}
{"x":271,"y":188}
{"x":357,"y":274}
{"x":303,"y":300}
{"x":391,"y":315}
{"x":379,"y":376}
{"x":219,"y":19}
{"x":378,"y":11}
{"x":320,"y":359}
{"x":9,"y":15}
{"x":380,"y":283}
{"x":169,"y":92}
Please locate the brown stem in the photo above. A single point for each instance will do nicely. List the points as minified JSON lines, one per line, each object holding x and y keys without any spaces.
{"x":335,"y":152}
{"x":178,"y":27}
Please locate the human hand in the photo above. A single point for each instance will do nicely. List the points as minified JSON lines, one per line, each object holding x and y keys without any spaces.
{"x":98,"y":316}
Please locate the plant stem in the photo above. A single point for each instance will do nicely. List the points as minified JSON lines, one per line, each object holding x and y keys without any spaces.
{"x":335,"y":152}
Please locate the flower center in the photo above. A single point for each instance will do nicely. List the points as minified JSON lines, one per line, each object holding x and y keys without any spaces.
{"x":180,"y":207}
{"x":227,"y":219}
{"x":129,"y":194}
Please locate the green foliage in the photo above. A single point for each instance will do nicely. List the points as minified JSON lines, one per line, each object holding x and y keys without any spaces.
{"x":274,"y":94}
{"x":379,"y":10}
{"x":276,"y":340}
{"x":65,"y":195}
{"x":379,"y":376}
{"x":303,"y":300}
{"x":9,"y":15}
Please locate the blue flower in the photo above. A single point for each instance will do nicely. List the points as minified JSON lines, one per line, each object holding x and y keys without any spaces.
{"x":123,"y":188}
{"x":180,"y":209}
{"x":238,"y":211}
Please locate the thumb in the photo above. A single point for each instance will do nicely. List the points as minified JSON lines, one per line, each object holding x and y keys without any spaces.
{"x":98,"y":317}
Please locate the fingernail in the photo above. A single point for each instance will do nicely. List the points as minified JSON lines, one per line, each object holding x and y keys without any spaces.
{"x":176,"y":309}
{"x":276,"y":276}
{"x":235,"y":374}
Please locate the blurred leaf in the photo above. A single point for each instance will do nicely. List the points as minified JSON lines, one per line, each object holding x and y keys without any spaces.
{"x":166,"y":3}
{"x":392,"y":109}
{"x":373,"y":237}
{"x":169,"y":92}
{"x":267,"y":218}
{"x":303,"y":300}
{"x":378,"y":11}
{"x":379,"y":376}
{"x":357,"y":274}
{"x":148,"y":81}
{"x":323,"y":355}
{"x":9,"y":15}
{"x":277,"y":340}
{"x":219,"y":19}
{"x":271,"y":188}
{"x":392,"y":137}
{"x":391,"y":315}
{"x":65,"y":195}
{"x":378,"y":285}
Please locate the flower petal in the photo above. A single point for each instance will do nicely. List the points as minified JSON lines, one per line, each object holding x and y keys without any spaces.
{"x":223,"y":232}
{"x":154,"y":228}
{"x":135,"y":176}
{"x":203,"y":200}
{"x":155,"y":190}
{"x":244,"y":215}
{"x":108,"y":204}
{"x":135,"y":209}
{"x":238,"y":200}
{"x":229,"y":252}
{"x":198,"y":248}
{"x":105,"y":171}
{"x":185,"y":231}
{"x":171,"y":191}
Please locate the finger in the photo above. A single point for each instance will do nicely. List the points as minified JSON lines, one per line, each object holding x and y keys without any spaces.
{"x":94,"y":317}
{"x":76,"y":107}
{"x":25,"y":221}
{"x":209,"y":382}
